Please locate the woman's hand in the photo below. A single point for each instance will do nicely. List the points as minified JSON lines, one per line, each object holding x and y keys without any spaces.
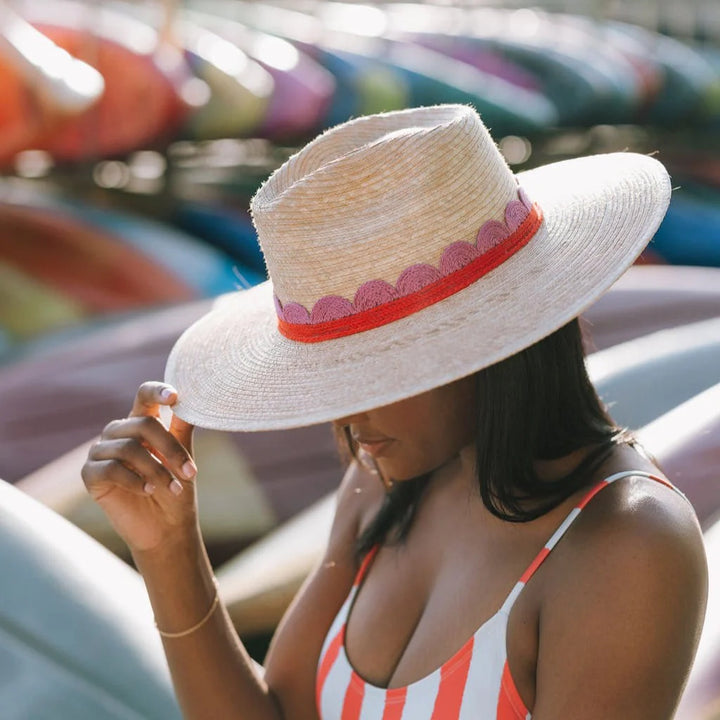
{"x":142,"y":474}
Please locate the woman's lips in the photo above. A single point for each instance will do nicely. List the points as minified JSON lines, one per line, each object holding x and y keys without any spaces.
{"x":375,"y":448}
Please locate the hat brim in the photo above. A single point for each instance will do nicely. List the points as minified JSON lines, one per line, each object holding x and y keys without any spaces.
{"x":234,"y":371}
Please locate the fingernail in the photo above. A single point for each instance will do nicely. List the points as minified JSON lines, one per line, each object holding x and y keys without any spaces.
{"x":166,"y":392}
{"x":175,"y":487}
{"x":189,"y":470}
{"x":149,"y":488}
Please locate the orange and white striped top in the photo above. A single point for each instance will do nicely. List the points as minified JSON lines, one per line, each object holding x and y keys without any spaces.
{"x":474,"y":683}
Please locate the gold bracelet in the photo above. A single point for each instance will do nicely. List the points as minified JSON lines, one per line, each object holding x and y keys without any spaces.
{"x":207,"y":616}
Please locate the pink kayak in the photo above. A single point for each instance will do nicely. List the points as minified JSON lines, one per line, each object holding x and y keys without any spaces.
{"x":686,"y":443}
{"x":701,"y":699}
{"x":649,"y":298}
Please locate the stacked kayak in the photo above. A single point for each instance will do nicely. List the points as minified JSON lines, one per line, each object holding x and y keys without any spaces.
{"x":77,"y":637}
{"x":683,"y":361}
{"x":701,"y":698}
{"x":302,"y":88}
{"x":687,"y":442}
{"x":240,"y":90}
{"x":38,"y":80}
{"x":63,"y":262}
{"x":431,"y":77}
{"x":690,"y":231}
{"x":649,"y":298}
{"x":147,"y":86}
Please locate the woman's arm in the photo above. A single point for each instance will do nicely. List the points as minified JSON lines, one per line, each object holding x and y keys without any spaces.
{"x":618,"y":633}
{"x":135,"y":473}
{"x":213,"y":675}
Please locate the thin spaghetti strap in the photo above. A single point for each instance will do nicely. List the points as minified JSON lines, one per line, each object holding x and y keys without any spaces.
{"x":568,"y":521}
{"x":367,"y":560}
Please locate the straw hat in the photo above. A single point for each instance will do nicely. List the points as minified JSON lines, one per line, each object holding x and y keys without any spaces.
{"x":404,"y":254}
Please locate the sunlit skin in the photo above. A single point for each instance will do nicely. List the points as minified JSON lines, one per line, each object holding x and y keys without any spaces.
{"x":425,"y":597}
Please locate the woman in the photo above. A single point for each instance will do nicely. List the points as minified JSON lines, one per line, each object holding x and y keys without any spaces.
{"x":500,"y":549}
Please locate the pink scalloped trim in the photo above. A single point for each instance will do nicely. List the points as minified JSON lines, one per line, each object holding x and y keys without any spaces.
{"x":414,"y":278}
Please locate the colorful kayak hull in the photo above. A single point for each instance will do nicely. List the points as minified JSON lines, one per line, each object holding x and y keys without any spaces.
{"x":303,"y":89}
{"x":29,"y":308}
{"x":148,"y":86}
{"x":690,"y":232}
{"x":98,"y":272}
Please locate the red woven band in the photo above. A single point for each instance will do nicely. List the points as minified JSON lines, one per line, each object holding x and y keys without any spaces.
{"x":426,"y":296}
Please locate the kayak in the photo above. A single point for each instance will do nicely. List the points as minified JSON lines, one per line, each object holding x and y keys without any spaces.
{"x":431,"y":77}
{"x":690,"y":92}
{"x":701,"y":698}
{"x":227,"y":228}
{"x":29,"y":308}
{"x":60,"y":396}
{"x":258,"y":584}
{"x":686,"y":443}
{"x":77,"y":637}
{"x":584,"y":87}
{"x":303,"y":89}
{"x":649,"y":298}
{"x":52,"y":246}
{"x":683,"y":361}
{"x":690,"y":231}
{"x":175,"y":265}
{"x":363,"y":84}
{"x":148,"y":88}
{"x":241,"y":90}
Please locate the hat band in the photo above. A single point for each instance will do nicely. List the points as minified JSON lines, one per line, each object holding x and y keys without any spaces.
{"x":388,"y":304}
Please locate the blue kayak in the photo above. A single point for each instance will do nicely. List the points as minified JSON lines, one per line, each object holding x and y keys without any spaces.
{"x":228,"y":229}
{"x":690,"y":232}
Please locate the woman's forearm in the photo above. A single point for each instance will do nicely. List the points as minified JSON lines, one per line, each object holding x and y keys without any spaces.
{"x":213,"y":675}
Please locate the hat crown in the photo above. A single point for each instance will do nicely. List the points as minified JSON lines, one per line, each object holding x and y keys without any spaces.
{"x":370,"y":198}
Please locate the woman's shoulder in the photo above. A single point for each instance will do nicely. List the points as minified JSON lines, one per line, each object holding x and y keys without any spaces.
{"x":630,"y":580}
{"x":639,"y":506}
{"x":637,"y":523}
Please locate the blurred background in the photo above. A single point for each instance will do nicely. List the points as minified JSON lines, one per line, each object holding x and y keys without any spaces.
{"x":132,"y":137}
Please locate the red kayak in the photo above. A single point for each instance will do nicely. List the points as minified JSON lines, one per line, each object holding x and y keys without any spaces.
{"x":99,"y":272}
{"x":145,"y":82}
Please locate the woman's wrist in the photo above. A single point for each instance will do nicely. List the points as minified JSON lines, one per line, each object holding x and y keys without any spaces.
{"x":179,"y":580}
{"x":179,"y":542}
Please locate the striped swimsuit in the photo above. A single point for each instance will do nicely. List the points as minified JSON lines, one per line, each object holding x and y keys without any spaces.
{"x":474,"y":684}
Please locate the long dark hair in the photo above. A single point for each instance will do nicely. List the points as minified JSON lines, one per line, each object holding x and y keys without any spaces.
{"x":538,"y":404}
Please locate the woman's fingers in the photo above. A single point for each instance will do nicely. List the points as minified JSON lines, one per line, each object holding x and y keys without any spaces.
{"x":126,"y":463}
{"x":139,"y":453}
{"x":134,"y":456}
{"x":150,"y":433}
{"x":150,"y":396}
{"x":102,"y":476}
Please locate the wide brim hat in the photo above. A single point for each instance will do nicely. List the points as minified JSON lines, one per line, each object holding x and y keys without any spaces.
{"x":404,"y":254}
